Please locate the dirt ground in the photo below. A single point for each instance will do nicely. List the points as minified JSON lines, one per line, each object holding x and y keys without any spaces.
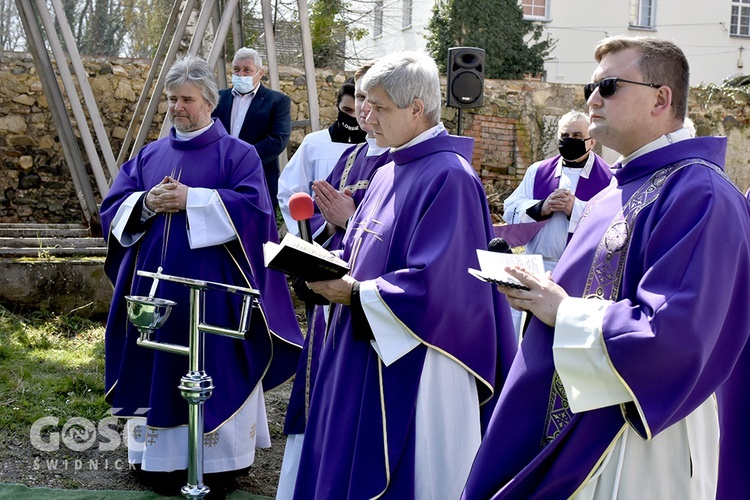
{"x":22,"y":463}
{"x":93,"y":469}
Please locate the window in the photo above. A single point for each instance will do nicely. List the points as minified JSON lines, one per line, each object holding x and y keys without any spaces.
{"x":642,"y":13}
{"x":406,"y":17}
{"x":535,"y":9}
{"x":740,"y":18}
{"x":378,"y":28}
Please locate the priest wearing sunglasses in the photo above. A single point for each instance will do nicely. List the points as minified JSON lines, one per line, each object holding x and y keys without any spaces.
{"x":632,"y":378}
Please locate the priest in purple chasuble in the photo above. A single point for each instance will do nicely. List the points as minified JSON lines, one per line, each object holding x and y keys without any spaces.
{"x":196,"y":204}
{"x":336,"y":198}
{"x":632,"y":375}
{"x":364,"y":159}
{"x":414,"y":344}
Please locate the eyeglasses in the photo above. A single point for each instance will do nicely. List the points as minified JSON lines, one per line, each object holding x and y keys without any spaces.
{"x":608,"y":86}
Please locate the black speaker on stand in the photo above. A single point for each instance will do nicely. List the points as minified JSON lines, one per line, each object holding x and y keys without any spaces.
{"x":465,"y":87}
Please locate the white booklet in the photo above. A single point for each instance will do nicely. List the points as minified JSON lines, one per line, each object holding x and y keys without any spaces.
{"x":492,"y":267}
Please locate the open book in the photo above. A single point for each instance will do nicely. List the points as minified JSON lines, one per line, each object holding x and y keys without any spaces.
{"x":493,"y":266}
{"x":302,"y":259}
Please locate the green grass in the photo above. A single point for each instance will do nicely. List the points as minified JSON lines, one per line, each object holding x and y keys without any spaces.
{"x":52,"y":365}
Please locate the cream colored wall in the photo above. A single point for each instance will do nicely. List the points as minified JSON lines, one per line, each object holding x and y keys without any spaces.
{"x":699,"y":27}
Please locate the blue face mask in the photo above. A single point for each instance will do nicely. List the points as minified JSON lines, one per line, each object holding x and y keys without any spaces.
{"x":243,"y":84}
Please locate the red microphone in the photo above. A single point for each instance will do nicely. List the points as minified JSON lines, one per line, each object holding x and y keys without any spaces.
{"x":301,"y":208}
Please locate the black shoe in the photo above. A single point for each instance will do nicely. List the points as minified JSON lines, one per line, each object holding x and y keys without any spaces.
{"x":163,"y":483}
{"x":221,"y":484}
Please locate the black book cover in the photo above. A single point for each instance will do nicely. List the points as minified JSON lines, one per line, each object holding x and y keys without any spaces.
{"x":299,"y":258}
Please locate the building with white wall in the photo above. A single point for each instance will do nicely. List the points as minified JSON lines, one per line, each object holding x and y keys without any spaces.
{"x":713,"y":33}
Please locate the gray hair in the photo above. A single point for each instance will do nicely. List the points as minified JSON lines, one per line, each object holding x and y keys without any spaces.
{"x":194,"y":70}
{"x":571,"y":117}
{"x":247,"y":53}
{"x":407,"y":76}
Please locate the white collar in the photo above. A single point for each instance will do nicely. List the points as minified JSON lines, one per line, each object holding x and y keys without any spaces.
{"x":372,"y":147}
{"x":427,"y":134}
{"x":186,"y":136}
{"x":585,"y":170}
{"x":665,"y":140}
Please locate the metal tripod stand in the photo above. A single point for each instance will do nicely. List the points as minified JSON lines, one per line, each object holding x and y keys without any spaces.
{"x":150,"y":313}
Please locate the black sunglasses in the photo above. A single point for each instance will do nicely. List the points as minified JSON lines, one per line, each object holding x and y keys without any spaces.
{"x":608,"y":86}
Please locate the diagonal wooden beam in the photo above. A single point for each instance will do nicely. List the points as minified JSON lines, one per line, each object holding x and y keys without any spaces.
{"x":56,"y":103}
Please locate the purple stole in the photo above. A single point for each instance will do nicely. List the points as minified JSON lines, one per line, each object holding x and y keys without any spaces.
{"x":353,"y":171}
{"x":540,"y":460}
{"x":545,"y":183}
{"x":605,"y":275}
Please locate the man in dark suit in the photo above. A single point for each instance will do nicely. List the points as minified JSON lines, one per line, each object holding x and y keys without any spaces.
{"x":256,"y":114}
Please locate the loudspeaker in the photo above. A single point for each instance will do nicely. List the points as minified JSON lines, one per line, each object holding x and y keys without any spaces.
{"x":465,"y":77}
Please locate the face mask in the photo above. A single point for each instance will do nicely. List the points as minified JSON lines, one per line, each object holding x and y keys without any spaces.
{"x":243,"y":84}
{"x":571,"y":149}
{"x":346,"y":129}
{"x":348,"y":122}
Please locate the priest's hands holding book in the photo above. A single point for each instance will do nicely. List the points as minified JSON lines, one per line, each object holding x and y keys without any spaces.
{"x":542,"y":298}
{"x":338,"y":290}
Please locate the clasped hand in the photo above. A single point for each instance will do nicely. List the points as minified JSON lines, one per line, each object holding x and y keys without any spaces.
{"x":168,"y":196}
{"x":542,"y":299}
{"x":335,"y":206}
{"x":560,"y":200}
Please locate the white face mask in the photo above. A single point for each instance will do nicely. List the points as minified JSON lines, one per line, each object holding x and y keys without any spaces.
{"x":243,"y":84}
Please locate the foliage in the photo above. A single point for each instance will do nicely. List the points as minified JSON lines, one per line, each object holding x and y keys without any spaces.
{"x":99,"y":26}
{"x":53,"y":365}
{"x":151,"y":17}
{"x":133,"y":28}
{"x":737,"y":89}
{"x":512,"y":45}
{"x":496,"y":193}
{"x":11,"y":30}
{"x":714,"y":103}
{"x":329,"y":28}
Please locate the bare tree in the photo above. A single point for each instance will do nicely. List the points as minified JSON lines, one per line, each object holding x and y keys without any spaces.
{"x":11,"y":30}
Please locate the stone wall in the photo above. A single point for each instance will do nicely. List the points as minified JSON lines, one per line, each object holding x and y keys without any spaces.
{"x":515,"y":127}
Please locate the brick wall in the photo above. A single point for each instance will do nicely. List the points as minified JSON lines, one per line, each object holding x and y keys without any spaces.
{"x":515,"y":127}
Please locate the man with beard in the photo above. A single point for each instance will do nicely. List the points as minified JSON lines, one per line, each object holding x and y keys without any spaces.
{"x":196,"y":204}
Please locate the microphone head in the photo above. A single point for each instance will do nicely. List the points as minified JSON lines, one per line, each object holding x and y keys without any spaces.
{"x":499,"y":245}
{"x":301,"y":206}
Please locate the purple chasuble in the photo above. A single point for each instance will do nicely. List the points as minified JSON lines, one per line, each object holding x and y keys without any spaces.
{"x":137,"y":378}
{"x":674,"y":332}
{"x":356,"y":178}
{"x":415,"y":234}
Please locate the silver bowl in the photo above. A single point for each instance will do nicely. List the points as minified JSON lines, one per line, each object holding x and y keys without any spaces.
{"x":148,"y":313}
